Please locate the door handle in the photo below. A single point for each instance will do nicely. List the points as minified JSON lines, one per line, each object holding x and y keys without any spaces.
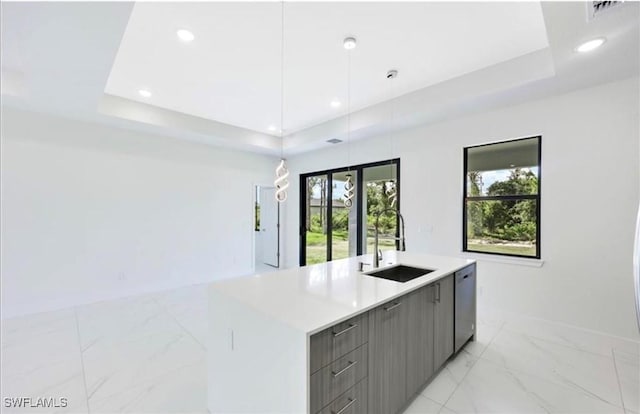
{"x":438,"y":292}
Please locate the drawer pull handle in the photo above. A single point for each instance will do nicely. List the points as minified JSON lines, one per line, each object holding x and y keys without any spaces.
{"x":392,"y":307}
{"x":347,"y":329}
{"x":343,"y":409}
{"x":351,"y":364}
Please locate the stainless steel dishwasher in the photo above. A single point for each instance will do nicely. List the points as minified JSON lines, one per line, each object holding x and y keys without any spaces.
{"x":465,"y":305}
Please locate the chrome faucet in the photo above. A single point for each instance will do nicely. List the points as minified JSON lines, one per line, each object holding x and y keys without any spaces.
{"x":377,"y":254}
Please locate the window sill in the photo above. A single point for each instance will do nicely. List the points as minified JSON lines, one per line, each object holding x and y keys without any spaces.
{"x":518,"y":261}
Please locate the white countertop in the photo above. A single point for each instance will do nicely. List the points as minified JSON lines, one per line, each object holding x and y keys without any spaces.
{"x":312,"y":298}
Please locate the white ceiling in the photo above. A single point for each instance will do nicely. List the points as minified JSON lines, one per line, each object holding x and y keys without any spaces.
{"x":230,"y":73}
{"x":57,"y":57}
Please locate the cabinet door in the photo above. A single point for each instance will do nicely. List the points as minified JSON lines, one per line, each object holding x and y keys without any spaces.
{"x":388,"y":357}
{"x":420,"y":333}
{"x":444,"y":314}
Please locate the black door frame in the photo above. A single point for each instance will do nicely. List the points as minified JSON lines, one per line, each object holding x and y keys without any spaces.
{"x":359,"y":199}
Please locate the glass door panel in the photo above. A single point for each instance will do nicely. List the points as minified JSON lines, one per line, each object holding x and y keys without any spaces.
{"x":316,"y":219}
{"x":330,"y":230}
{"x":380,"y":186}
{"x":343,"y":220}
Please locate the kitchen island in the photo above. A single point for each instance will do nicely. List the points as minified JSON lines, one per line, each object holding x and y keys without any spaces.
{"x":328,"y":337}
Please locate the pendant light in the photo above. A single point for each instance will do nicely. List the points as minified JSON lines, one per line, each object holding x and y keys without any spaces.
{"x":349,"y":187}
{"x":390,"y":186}
{"x":282,"y":173}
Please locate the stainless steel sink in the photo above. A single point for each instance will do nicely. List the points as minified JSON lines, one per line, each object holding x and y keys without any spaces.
{"x":400,"y":273}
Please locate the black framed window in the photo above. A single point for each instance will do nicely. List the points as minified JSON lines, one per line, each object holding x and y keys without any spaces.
{"x":501,"y":207}
{"x":329,"y":231}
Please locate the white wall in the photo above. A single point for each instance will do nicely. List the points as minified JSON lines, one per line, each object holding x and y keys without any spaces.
{"x":91,"y":212}
{"x":590,"y":181}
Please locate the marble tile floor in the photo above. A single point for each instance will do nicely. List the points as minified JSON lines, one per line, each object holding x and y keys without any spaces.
{"x":147,"y":354}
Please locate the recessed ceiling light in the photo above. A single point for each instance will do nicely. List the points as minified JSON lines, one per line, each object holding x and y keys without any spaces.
{"x":272,"y":128}
{"x":335,"y":103}
{"x":590,"y":45}
{"x":185,"y":35}
{"x":349,"y":43}
{"x":144,"y":93}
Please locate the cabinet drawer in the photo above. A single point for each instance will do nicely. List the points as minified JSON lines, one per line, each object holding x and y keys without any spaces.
{"x":354,"y":401}
{"x":334,"y":342}
{"x":336,"y":378}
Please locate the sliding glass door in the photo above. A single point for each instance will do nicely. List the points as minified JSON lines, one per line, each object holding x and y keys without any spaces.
{"x":329,"y":230}
{"x":315,"y":218}
{"x":343,"y":220}
{"x":381,"y":185}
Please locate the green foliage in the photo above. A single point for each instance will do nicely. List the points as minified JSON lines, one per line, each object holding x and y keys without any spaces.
{"x":256,"y":211}
{"x":503,"y":220}
{"x":340,"y":220}
{"x":519,"y":182}
{"x":316,"y":239}
{"x":378,"y":200}
{"x":316,"y":224}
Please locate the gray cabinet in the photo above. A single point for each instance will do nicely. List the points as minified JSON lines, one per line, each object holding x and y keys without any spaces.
{"x":443,"y":320}
{"x":339,"y":365}
{"x":338,"y":340}
{"x":354,"y":401}
{"x":420,"y":338}
{"x":376,"y":362}
{"x":388,"y":357}
{"x":334,"y":379}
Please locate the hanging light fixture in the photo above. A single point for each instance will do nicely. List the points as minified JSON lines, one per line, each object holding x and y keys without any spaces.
{"x":390,"y":186}
{"x":349,"y":192}
{"x":349,"y":187}
{"x":282,"y":173}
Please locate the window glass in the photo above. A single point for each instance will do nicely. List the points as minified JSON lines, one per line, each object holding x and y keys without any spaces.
{"x":502,"y":198}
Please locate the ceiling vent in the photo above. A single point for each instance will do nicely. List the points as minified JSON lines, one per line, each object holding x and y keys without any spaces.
{"x":597,"y":8}
{"x":334,"y":141}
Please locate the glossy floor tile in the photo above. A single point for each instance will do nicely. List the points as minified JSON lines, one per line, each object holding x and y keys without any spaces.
{"x":147,"y":354}
{"x":592,"y":374}
{"x":41,"y":359}
{"x":628,"y":369}
{"x":423,"y":405}
{"x":490,"y":388}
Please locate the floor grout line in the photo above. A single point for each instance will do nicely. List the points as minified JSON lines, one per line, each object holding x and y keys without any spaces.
{"x":550,"y":380}
{"x":471,"y":367}
{"x":558,"y":342}
{"x":615,"y":366}
{"x":166,"y":309}
{"x":84,"y":376}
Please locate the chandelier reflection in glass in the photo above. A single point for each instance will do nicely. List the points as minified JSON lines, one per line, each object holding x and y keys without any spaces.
{"x":391,"y":192}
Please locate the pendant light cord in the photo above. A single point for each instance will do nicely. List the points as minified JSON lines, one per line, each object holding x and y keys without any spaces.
{"x":349,"y":109}
{"x":282,"y":173}
{"x":391,"y":186}
{"x":282,"y":81}
{"x":393,"y":112}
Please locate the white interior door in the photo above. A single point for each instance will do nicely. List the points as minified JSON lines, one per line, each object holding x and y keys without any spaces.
{"x":269,"y":225}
